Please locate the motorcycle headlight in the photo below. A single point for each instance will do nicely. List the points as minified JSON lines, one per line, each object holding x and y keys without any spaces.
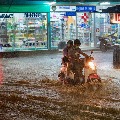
{"x":91,"y":65}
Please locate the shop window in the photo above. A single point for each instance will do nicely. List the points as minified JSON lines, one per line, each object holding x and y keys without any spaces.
{"x":63,"y":28}
{"x":84,"y":28}
{"x":24,"y":30}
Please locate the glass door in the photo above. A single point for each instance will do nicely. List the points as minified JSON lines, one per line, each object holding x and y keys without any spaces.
{"x":63,"y":28}
{"x":84,"y":28}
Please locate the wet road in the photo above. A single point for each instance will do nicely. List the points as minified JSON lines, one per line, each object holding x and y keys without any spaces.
{"x":30,"y":91}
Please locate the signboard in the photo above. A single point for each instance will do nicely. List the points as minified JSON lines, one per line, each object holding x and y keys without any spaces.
{"x":6,"y":15}
{"x":70,"y":14}
{"x":85,"y":8}
{"x":64,"y":8}
{"x":32,"y":15}
{"x":114,"y":18}
{"x":74,"y":8}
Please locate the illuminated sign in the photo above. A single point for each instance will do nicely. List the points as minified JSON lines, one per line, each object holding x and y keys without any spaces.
{"x":6,"y":15}
{"x":70,"y":14}
{"x":75,"y":8}
{"x":85,"y":8}
{"x":114,"y":17}
{"x":64,"y":8}
{"x":32,"y":15}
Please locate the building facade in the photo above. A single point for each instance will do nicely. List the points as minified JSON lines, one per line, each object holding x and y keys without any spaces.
{"x":36,"y":27}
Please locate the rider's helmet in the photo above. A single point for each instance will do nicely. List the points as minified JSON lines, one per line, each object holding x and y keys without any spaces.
{"x":77,"y":42}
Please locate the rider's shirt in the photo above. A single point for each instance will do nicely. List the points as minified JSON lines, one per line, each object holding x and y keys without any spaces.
{"x":74,"y":53}
{"x":65,"y":51}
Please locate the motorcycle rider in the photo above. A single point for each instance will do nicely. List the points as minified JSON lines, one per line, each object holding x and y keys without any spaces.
{"x":65,"y":51}
{"x":65,"y":61}
{"x":77,"y":64}
{"x":72,"y":62}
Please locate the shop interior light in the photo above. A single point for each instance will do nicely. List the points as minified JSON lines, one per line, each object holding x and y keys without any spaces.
{"x":52,"y":3}
{"x":81,"y":3}
{"x":105,"y":3}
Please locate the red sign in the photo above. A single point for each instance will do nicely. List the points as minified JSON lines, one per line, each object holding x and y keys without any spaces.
{"x":85,"y":17}
{"x":118,"y":17}
{"x":114,"y":17}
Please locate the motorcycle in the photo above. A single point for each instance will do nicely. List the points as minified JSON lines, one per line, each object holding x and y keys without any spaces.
{"x":105,"y":44}
{"x":89,"y":72}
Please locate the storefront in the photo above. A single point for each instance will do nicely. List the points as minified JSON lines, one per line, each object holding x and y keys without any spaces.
{"x":25,"y":27}
{"x":82,"y":22}
{"x":36,"y":27}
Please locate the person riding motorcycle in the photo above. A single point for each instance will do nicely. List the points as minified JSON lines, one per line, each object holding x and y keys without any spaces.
{"x":65,"y":61}
{"x":76,"y":64}
{"x":72,"y":71}
{"x":65,"y":51}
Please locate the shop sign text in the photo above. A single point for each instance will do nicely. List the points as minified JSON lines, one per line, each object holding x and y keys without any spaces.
{"x":70,"y":14}
{"x":6,"y":15}
{"x":85,"y":8}
{"x":65,"y":8}
{"x":32,"y":15}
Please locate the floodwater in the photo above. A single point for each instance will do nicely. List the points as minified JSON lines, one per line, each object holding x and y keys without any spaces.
{"x":30,"y":91}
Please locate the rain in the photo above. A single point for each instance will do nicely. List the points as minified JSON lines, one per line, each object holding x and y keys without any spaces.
{"x":30,"y":90}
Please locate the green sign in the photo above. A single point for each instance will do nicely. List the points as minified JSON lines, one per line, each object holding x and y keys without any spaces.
{"x":24,"y":8}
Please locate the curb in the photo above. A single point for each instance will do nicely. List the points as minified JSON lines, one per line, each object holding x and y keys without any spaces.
{"x":25,"y":53}
{"x":13,"y":54}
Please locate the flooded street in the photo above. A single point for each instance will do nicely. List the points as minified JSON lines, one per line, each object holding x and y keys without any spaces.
{"x":30,"y":90}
